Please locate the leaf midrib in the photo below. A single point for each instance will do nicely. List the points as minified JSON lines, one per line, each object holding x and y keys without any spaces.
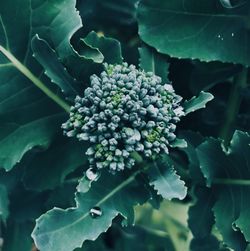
{"x":194,"y":13}
{"x":103,"y":200}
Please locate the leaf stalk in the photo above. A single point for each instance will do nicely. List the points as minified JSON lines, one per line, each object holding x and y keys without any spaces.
{"x":36,"y":81}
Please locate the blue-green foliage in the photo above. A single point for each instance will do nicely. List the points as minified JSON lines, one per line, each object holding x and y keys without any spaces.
{"x":137,"y":172}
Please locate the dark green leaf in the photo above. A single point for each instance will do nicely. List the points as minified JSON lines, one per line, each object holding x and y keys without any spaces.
{"x":206,"y":75}
{"x":27,"y":118}
{"x":48,"y":169}
{"x":209,"y":243}
{"x":232,"y":169}
{"x":190,"y":29}
{"x":101,"y":49}
{"x":201,"y":218}
{"x":229,"y":198}
{"x":98,"y":12}
{"x":76,"y":225}
{"x":62,"y":196}
{"x":26,"y":205}
{"x":54,"y":69}
{"x":26,"y":135}
{"x":93,"y":50}
{"x":17,"y":237}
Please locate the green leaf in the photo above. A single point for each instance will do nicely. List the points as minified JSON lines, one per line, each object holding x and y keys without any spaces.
{"x":100,"y":48}
{"x":152,"y":61}
{"x":230,"y":168}
{"x":201,"y":220}
{"x":196,"y":103}
{"x":49,"y":168}
{"x":26,"y":205}
{"x":230,"y":198}
{"x":54,"y":69}
{"x":163,"y":177}
{"x":92,"y":51}
{"x":25,"y":135}
{"x":202,"y":30}
{"x":113,"y":13}
{"x":4,"y":204}
{"x":29,"y":119}
{"x":77,"y":225}
{"x":56,"y":26}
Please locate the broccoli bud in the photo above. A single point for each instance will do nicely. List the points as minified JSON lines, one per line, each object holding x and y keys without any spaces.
{"x":124,"y":110}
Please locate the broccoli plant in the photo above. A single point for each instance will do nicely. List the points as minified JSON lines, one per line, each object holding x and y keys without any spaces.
{"x":124,"y":124}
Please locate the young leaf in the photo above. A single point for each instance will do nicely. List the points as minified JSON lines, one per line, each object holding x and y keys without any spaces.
{"x":92,"y":215}
{"x":152,"y":61}
{"x":92,"y":51}
{"x":54,"y":69}
{"x":197,"y":103}
{"x":102,"y":48}
{"x":163,"y":177}
{"x":204,"y":31}
{"x":179,"y":143}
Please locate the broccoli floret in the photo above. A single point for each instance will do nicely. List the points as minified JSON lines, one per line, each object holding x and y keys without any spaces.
{"x":124,"y":110}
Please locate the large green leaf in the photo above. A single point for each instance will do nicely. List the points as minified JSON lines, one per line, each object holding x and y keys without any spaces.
{"x":163,"y":177}
{"x":230,"y":168}
{"x":75,"y":225}
{"x":203,"y":29}
{"x":98,"y":12}
{"x":28,"y":118}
